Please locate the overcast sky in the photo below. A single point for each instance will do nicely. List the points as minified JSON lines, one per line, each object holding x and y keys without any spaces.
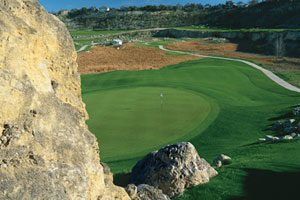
{"x":55,"y":5}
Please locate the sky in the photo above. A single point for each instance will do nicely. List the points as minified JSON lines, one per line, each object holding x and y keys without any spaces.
{"x":55,"y":5}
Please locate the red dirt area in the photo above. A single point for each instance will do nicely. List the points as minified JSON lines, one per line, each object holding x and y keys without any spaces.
{"x":103,"y":59}
{"x":223,"y":49}
{"x":201,"y":46}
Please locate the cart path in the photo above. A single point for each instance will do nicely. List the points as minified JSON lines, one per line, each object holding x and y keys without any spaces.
{"x":268,"y":73}
{"x":83,"y":48}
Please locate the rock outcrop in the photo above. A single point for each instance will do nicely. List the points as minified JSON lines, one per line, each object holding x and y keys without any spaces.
{"x":172,"y":169}
{"x":262,"y":42}
{"x":46,"y":150}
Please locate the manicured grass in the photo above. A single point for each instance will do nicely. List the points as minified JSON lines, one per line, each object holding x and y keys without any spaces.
{"x":155,"y":44}
{"x":242,"y":101}
{"x":176,"y":54}
{"x":140,"y":114}
{"x":216,"y":29}
{"x":293,"y":77}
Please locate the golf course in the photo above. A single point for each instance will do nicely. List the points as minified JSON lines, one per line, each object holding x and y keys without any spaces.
{"x":220,"y":106}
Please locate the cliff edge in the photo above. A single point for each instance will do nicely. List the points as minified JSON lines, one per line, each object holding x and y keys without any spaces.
{"x":46,"y":150}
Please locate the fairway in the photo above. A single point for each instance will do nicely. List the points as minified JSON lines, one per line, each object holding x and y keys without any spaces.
{"x":139,"y":119}
{"x":220,"y":106}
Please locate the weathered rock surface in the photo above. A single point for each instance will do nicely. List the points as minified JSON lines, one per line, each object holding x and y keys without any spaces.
{"x":46,"y":150}
{"x":131,"y":190}
{"x":147,"y":192}
{"x":221,"y":160}
{"x":172,"y":169}
{"x":296,"y":111}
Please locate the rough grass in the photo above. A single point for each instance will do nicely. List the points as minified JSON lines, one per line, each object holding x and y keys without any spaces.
{"x":246,"y":100}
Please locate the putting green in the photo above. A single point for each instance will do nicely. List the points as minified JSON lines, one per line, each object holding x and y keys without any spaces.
{"x":219,"y":106}
{"x":139,"y":119}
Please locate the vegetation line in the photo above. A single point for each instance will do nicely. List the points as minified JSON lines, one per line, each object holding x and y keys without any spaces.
{"x":268,"y":73}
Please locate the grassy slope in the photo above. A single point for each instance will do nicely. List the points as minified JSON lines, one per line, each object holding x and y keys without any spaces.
{"x":246,"y":99}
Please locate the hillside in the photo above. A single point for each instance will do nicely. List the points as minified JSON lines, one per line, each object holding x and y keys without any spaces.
{"x":274,"y":14}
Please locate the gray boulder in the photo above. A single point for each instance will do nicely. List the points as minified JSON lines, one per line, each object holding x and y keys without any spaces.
{"x":172,"y":169}
{"x":221,"y":160}
{"x":147,"y":192}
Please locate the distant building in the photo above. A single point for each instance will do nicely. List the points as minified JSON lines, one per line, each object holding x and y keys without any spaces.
{"x":117,"y":43}
{"x":104,"y":9}
{"x":63,"y":12}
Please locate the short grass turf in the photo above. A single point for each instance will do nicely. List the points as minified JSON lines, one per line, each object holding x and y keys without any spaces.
{"x":243,"y":103}
{"x":143,"y":116}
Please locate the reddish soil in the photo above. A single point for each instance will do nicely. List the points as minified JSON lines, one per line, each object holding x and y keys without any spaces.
{"x":103,"y":59}
{"x":223,"y":49}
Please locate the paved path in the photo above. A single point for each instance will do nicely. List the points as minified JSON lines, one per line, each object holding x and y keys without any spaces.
{"x":83,"y":48}
{"x":268,"y":73}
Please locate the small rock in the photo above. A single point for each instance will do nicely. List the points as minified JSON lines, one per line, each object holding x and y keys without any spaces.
{"x":269,"y":138}
{"x":131,"y":190}
{"x":297,"y":136}
{"x":221,"y":160}
{"x":262,"y":139}
{"x":296,"y":111}
{"x":293,"y":135}
{"x":147,"y":192}
{"x":286,"y":137}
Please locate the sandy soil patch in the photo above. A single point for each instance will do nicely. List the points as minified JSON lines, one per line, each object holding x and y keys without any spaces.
{"x":222,"y":49}
{"x":104,"y":58}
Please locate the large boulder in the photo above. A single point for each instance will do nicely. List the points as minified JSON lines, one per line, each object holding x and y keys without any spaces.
{"x":46,"y":150}
{"x":172,"y":169}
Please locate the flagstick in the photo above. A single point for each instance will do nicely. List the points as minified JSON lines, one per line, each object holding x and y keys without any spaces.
{"x":161,"y":101}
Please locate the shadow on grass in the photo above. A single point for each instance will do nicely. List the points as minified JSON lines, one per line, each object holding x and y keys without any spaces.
{"x":287,"y":115}
{"x":122,"y":179}
{"x":266,"y":184}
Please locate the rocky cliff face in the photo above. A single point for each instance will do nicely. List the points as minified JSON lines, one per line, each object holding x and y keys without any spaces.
{"x":255,"y":42}
{"x":46,"y":150}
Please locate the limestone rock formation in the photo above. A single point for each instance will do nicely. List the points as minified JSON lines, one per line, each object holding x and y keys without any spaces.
{"x":147,"y":192}
{"x":131,"y":190}
{"x":172,"y":169}
{"x":46,"y":150}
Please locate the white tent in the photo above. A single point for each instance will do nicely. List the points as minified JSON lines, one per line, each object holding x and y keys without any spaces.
{"x":117,"y":42}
